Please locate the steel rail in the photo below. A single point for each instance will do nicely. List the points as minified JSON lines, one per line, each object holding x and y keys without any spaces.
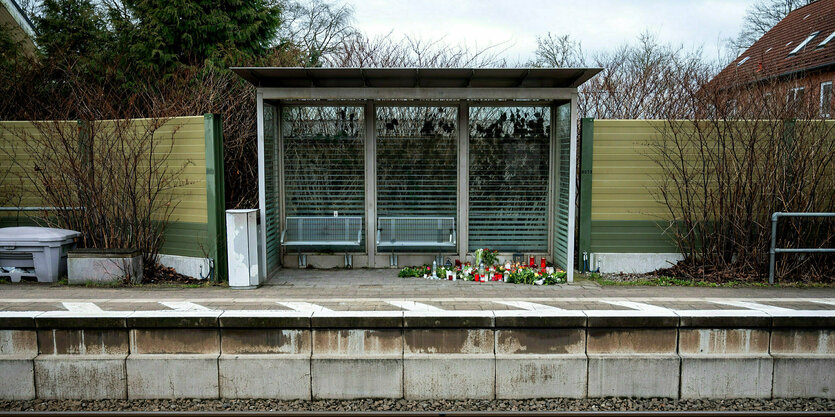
{"x":700,"y":413}
{"x":774,"y":250}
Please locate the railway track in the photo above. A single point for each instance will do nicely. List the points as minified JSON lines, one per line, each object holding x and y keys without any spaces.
{"x":419,"y":413}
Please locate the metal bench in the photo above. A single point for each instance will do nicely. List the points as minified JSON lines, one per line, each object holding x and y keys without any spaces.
{"x":315,"y":231}
{"x":423,"y":231}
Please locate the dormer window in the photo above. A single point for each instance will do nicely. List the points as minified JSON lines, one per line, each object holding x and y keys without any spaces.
{"x":803,"y":44}
{"x":826,"y":41}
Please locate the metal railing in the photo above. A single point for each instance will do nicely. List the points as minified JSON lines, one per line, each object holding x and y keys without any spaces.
{"x":774,"y":250}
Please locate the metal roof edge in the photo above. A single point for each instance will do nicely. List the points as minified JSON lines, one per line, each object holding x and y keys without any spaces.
{"x":20,"y":17}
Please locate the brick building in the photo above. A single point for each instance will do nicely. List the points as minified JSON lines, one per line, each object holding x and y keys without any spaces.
{"x":796,"y":58}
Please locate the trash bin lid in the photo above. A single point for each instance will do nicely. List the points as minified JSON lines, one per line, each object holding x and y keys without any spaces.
{"x":26,"y":234}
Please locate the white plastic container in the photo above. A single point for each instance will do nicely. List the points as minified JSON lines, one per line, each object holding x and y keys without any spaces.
{"x":42,"y":248}
{"x":242,"y":248}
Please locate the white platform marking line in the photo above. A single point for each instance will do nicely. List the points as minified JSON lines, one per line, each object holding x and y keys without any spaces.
{"x":525,"y":305}
{"x":413,"y":305}
{"x":828,"y":302}
{"x":752,"y":306}
{"x":81,"y":307}
{"x":638,"y":306}
{"x":184,"y":306}
{"x":303,"y":306}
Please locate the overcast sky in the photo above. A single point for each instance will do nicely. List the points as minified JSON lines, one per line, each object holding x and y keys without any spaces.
{"x":598,"y":24}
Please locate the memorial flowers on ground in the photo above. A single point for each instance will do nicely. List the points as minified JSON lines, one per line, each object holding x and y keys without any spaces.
{"x":488,"y":268}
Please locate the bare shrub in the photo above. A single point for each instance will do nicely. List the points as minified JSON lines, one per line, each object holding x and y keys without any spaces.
{"x":109,"y":176}
{"x":390,"y":52}
{"x":644,"y":80}
{"x":111,"y":180}
{"x":746,"y":152}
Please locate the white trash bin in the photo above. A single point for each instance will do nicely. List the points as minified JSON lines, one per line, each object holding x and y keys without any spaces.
{"x":242,"y":248}
{"x":42,"y":248}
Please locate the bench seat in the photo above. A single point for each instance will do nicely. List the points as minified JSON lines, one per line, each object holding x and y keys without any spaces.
{"x":322,"y":231}
{"x":423,"y":231}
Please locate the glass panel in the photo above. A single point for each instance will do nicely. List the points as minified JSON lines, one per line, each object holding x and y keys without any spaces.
{"x":324,"y":161}
{"x":563,"y":143}
{"x":416,"y":168}
{"x":271,"y":191}
{"x":509,"y":166}
{"x":826,"y":99}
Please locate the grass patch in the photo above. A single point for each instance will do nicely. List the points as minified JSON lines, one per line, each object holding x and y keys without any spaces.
{"x":680,"y":282}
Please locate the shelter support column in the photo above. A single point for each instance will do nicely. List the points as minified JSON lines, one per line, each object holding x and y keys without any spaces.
{"x":262,"y":184}
{"x":463,"y":179}
{"x":370,"y":185}
{"x":572,"y":188}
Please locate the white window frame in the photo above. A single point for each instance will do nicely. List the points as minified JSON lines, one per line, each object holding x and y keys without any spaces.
{"x":828,"y":112}
{"x":826,"y":41}
{"x":803,"y":44}
{"x":793,"y":93}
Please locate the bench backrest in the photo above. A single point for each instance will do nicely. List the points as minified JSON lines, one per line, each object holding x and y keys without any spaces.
{"x":422,"y":229}
{"x":322,"y":230}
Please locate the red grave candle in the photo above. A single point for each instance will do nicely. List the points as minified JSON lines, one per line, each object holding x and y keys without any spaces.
{"x":532,"y":261}
{"x":542,"y":263}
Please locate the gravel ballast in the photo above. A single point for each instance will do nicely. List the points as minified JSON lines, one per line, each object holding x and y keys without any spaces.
{"x":603,"y":404}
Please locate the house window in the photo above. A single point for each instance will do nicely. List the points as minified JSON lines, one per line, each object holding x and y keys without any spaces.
{"x":796,"y":97}
{"x":803,"y":44}
{"x":826,"y":99}
{"x":826,"y":41}
{"x":731,"y":108}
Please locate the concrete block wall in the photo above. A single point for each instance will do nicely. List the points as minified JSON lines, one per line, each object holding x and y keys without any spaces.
{"x":415,"y":355}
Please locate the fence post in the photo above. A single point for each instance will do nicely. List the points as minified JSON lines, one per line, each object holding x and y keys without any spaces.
{"x":215,"y":194}
{"x":586,"y":158}
{"x":85,"y":147}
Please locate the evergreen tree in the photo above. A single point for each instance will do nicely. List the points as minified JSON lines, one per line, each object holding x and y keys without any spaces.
{"x":71,"y":28}
{"x":170,"y":33}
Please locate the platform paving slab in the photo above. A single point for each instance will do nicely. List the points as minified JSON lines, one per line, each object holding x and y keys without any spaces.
{"x":175,"y":341}
{"x":804,"y":363}
{"x":281,"y":377}
{"x":725,"y":362}
{"x":17,"y":350}
{"x":726,"y":376}
{"x":541,"y":376}
{"x":82,"y":377}
{"x":449,"y":376}
{"x":637,"y":376}
{"x":804,"y":376}
{"x":541,"y":363}
{"x":18,"y":381}
{"x":172,"y":376}
{"x":265,"y":341}
{"x":347,"y":377}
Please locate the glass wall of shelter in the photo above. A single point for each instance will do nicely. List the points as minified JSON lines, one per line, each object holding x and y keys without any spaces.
{"x":417,"y":179}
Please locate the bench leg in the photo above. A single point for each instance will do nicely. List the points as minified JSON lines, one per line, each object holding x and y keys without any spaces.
{"x":393,"y":261}
{"x":349,"y":261}
{"x":302,"y":261}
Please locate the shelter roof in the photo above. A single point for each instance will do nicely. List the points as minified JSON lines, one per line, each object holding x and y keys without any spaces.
{"x":295,"y":77}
